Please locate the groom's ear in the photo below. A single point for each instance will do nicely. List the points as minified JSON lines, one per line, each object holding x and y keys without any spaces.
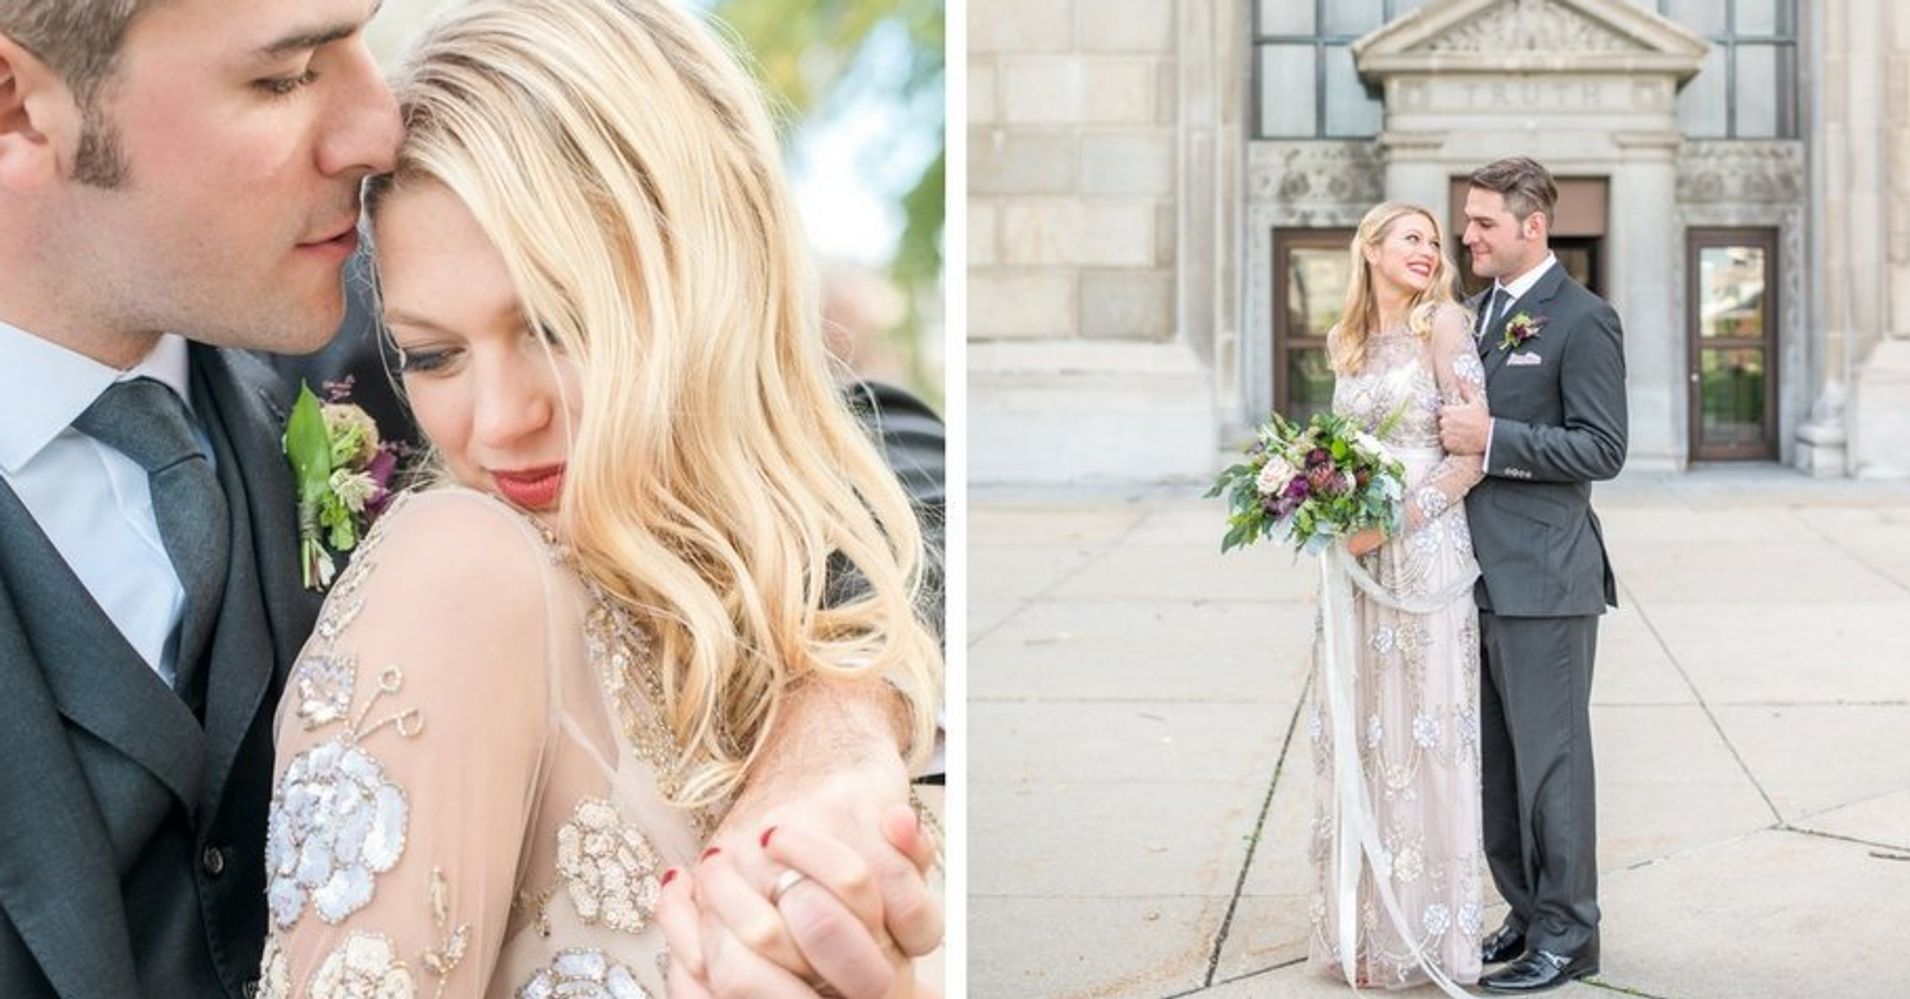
{"x":38,"y":118}
{"x":1536,"y":226}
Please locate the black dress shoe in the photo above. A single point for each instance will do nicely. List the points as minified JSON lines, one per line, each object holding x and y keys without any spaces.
{"x":1539,"y":970}
{"x":1503,"y":945}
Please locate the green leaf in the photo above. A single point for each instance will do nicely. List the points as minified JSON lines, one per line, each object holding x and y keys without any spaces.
{"x":308,"y":446}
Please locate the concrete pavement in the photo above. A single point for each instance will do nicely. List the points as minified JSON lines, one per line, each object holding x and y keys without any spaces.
{"x":1140,"y":801}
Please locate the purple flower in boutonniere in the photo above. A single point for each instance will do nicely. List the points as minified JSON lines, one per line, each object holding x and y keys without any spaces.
{"x":343,"y":472}
{"x":1520,"y":329}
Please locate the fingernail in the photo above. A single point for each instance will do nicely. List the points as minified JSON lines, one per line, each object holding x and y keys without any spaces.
{"x":711,"y":852}
{"x":767,"y":833}
{"x":668,"y":876}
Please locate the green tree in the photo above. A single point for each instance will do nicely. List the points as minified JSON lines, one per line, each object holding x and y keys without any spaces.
{"x":804,"y":52}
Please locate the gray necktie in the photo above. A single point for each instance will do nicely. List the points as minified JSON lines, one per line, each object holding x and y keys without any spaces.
{"x":146,"y":422}
{"x":1494,"y":306}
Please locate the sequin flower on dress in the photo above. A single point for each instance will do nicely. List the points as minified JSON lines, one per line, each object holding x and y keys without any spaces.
{"x":583,"y":974}
{"x":337,"y":820}
{"x":610,"y":870}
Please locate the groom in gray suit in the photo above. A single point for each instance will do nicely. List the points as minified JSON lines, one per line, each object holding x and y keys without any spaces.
{"x":191,"y":166}
{"x":176,"y":166}
{"x":1555,"y":381}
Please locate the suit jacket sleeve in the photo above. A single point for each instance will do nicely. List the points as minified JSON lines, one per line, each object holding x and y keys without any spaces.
{"x":914,"y":441}
{"x":1590,"y":445}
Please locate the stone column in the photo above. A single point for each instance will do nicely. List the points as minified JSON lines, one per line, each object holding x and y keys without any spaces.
{"x":1644,"y":249}
{"x":1880,"y":421}
{"x":1414,"y":174}
{"x":1847,"y":196}
{"x":1197,"y":141}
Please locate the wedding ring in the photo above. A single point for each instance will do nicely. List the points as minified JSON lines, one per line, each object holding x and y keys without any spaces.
{"x":788,"y":879}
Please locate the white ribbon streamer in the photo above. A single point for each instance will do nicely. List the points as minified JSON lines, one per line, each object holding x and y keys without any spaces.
{"x":1355,"y":825}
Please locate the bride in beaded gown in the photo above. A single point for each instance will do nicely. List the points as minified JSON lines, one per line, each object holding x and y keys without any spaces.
{"x":1415,"y":675}
{"x":654,"y":524}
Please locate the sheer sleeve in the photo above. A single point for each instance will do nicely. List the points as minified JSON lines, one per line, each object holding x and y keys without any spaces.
{"x":410,"y":744}
{"x":1455,"y":363}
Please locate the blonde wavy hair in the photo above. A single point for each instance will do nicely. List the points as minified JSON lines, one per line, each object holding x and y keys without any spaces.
{"x":624,"y":166}
{"x":1359,"y":315}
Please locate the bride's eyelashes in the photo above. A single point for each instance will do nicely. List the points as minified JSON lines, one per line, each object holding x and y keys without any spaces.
{"x":422,"y":361}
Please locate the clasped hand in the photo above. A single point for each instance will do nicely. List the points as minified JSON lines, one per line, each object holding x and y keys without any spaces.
{"x":1463,"y":425}
{"x":738,"y":925}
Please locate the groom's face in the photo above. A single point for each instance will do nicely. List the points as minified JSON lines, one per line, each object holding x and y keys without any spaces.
{"x":1501,"y":243}
{"x":242,"y":132}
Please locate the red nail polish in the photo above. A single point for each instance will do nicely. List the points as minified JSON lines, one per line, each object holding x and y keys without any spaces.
{"x":767,"y":833}
{"x":668,"y":876}
{"x":711,"y":852}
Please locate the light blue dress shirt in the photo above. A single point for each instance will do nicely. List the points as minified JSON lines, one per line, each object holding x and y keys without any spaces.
{"x":91,"y":501}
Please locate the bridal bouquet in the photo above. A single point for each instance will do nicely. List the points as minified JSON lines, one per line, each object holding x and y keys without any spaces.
{"x":1312,"y":485}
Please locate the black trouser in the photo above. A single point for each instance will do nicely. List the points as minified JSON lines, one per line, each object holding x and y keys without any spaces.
{"x":1535,"y":749}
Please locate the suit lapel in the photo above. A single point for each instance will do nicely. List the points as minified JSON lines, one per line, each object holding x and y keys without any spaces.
{"x":1533,"y":299}
{"x":95,"y":677}
{"x":57,"y":883}
{"x":267,"y":615}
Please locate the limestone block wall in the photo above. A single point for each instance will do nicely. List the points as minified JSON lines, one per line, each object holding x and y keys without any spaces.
{"x":1072,"y":164}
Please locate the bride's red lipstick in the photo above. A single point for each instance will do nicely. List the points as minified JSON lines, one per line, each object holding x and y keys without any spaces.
{"x":531,"y":488}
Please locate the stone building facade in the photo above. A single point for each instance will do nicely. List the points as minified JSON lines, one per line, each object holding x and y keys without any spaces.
{"x":1161,"y":193}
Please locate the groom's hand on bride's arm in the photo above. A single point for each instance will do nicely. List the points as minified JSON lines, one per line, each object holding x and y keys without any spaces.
{"x":1463,"y":425}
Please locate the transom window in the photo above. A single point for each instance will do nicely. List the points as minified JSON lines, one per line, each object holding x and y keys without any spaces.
{"x":1305,"y":86}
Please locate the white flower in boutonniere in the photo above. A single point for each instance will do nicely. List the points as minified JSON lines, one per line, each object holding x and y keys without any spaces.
{"x":343,"y":472}
{"x":1520,"y":329}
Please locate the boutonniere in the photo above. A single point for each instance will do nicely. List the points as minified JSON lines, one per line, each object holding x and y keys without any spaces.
{"x":1522,"y":328}
{"x":343,"y":473}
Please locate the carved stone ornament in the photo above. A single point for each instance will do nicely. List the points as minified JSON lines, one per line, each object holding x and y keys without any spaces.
{"x":1752,"y":173}
{"x":1311,"y":174}
{"x":1530,"y":36}
{"x":1530,"y":25}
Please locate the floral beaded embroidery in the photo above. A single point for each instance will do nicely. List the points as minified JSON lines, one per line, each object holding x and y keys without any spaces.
{"x":336,"y":823}
{"x":366,"y":967}
{"x":620,"y":651}
{"x":610,"y":871}
{"x":337,"y":820}
{"x":275,"y":973}
{"x":583,"y":974}
{"x":445,"y":957}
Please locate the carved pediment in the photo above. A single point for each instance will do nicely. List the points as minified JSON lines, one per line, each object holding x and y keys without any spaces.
{"x":1532,"y":26}
{"x":1530,"y":36}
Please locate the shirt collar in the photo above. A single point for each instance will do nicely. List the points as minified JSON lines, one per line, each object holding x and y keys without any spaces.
{"x":1518,"y":288}
{"x":45,"y":387}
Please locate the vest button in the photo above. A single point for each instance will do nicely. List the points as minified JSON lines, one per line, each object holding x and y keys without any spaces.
{"x":213,"y":861}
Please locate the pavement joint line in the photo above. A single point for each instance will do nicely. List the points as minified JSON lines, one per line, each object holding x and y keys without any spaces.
{"x":1259,"y":827}
{"x":1855,"y":556}
{"x":1288,"y":963}
{"x":1599,"y":983}
{"x":1703,"y":705}
{"x":1722,"y":840}
{"x":1020,"y":605}
{"x":1800,"y":830}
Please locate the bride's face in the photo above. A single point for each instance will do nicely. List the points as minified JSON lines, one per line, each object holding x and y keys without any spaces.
{"x":496,"y":404}
{"x":1407,"y":255}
